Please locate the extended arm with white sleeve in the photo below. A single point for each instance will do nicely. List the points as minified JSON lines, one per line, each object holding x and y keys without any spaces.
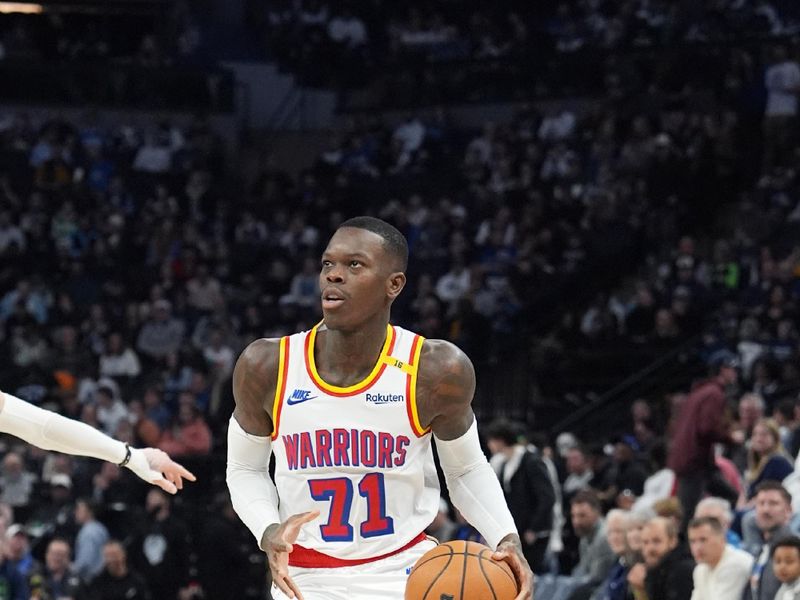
{"x":253,"y":494}
{"x":51,"y":431}
{"x":474,"y":487}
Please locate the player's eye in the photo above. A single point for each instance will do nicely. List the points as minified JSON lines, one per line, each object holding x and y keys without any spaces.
{"x":326,"y":263}
{"x":355,"y":263}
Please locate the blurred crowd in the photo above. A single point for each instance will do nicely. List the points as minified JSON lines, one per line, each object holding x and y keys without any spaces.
{"x":140,"y":39}
{"x":360,"y":41}
{"x":160,"y":54}
{"x":692,"y":500}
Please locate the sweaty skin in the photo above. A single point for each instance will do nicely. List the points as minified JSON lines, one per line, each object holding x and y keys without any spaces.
{"x":355,"y":264}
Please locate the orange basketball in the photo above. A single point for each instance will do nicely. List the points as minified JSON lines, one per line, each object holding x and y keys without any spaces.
{"x":460,"y":571}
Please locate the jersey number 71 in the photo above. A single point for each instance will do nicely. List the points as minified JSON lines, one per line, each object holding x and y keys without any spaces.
{"x":339,"y":492}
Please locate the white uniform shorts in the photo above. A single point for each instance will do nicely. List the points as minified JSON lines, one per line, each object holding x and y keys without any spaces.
{"x":384,"y":578}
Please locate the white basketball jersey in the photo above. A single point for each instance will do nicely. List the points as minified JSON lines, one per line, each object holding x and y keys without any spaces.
{"x":357,"y":454}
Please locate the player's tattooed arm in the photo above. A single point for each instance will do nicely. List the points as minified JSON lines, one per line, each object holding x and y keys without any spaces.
{"x":445,"y":386}
{"x":254,"y":380}
{"x":510,"y":550}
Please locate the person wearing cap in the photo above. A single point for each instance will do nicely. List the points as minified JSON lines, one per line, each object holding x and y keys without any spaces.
{"x":18,"y":550}
{"x":51,"y":431}
{"x":13,"y":584}
{"x":53,"y":517}
{"x":702,"y":422}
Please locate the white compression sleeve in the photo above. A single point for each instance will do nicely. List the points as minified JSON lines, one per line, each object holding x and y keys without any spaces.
{"x":474,"y":487}
{"x":51,"y":431}
{"x":253,"y":493}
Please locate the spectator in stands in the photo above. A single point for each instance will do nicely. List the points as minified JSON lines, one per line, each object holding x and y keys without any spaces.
{"x":91,"y":538}
{"x":782,"y":80}
{"x":722,"y":571}
{"x":596,"y":557}
{"x":12,"y":238}
{"x":719,"y":509}
{"x":219,"y":356}
{"x":347,"y":29}
{"x":18,"y":551}
{"x":190,"y":435}
{"x":628,"y":473}
{"x":527,"y":488}
{"x":160,"y":552}
{"x":773,"y":511}
{"x":16,"y":481}
{"x":111,"y":411}
{"x":55,"y":516}
{"x":671,"y":509}
{"x":222,"y":547}
{"x":580,"y":474}
{"x":615,"y":586}
{"x":455,"y":284}
{"x":204,"y":291}
{"x":786,"y":417}
{"x":700,"y":424}
{"x":117,"y":581}
{"x":58,"y":580}
{"x":14,"y":584}
{"x":786,"y":559}
{"x":767,"y":459}
{"x":669,"y":568}
{"x":155,"y":409}
{"x":111,"y":487}
{"x":633,"y":536}
{"x":30,"y":351}
{"x":660,"y":484}
{"x":751,"y":410}
{"x":162,"y":334}
{"x":67,"y":354}
{"x":118,"y":360}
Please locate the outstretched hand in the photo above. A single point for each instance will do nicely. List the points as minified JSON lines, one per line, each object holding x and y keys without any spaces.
{"x":156,"y":467}
{"x":510,"y":550}
{"x":277,"y":543}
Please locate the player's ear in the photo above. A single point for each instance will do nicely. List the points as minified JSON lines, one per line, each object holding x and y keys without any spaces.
{"x":395,"y":284}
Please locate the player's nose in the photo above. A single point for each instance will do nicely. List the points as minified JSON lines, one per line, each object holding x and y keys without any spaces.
{"x":334,"y":275}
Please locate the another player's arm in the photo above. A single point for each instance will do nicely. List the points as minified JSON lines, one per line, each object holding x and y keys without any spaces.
{"x":445,"y":387}
{"x":52,"y":431}
{"x":253,"y":492}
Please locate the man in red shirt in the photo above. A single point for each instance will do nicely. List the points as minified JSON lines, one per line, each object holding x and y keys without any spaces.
{"x":702,"y":422}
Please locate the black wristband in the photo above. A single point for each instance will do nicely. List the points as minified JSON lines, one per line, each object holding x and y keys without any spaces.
{"x":127,"y":458}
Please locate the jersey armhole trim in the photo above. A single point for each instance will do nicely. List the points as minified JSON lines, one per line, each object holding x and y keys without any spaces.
{"x":411,"y":388}
{"x":280,"y":387}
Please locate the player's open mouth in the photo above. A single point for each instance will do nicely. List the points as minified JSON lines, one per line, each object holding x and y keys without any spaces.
{"x":332,"y":299}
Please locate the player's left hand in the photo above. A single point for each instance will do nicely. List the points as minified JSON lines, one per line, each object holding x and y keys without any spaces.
{"x":510,"y":551}
{"x":156,"y":467}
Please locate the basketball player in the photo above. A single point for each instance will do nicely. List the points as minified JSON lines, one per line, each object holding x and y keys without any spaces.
{"x":51,"y":431}
{"x":349,"y":409}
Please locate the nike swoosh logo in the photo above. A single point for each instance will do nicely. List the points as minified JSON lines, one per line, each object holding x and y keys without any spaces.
{"x":292,"y":401}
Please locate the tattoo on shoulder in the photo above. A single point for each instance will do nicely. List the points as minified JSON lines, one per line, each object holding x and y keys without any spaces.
{"x":254,"y":379}
{"x":446,"y":377}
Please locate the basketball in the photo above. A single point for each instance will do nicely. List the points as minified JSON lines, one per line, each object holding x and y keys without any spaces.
{"x":460,"y":570}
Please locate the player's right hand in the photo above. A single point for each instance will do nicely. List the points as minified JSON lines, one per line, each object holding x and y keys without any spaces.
{"x":278,"y":545}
